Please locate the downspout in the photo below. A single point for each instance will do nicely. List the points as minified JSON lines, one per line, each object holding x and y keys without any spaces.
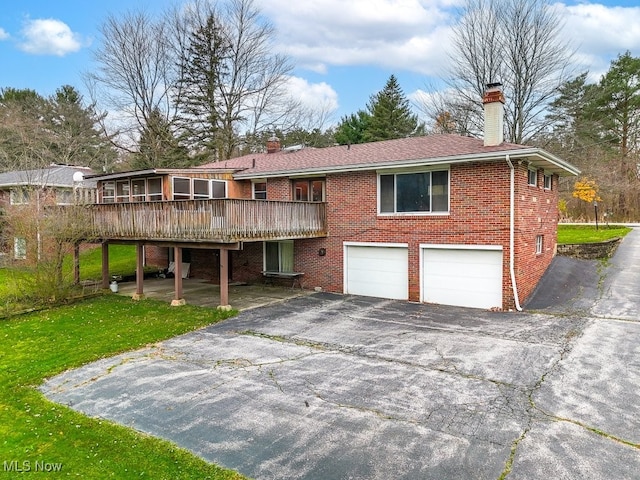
{"x":512,"y":234}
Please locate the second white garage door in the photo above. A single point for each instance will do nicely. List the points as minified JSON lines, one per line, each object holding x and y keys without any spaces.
{"x":377,"y":270}
{"x":466,"y":277}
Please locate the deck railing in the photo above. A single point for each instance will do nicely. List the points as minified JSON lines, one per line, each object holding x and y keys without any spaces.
{"x":218,"y":220}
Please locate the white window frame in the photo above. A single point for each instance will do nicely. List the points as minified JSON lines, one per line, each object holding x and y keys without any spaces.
{"x":309,"y":184}
{"x":259,"y":194}
{"x":111,"y":185}
{"x":138,"y":197}
{"x":532,"y":177}
{"x":123,"y":198}
{"x":183,"y":196}
{"x":211,"y":189}
{"x":280,"y":254}
{"x":19,"y":248}
{"x":151,"y":196}
{"x":395,"y":199}
{"x":19,"y":196}
{"x":539,"y":244}
{"x":200,"y":196}
{"x":548,"y":181}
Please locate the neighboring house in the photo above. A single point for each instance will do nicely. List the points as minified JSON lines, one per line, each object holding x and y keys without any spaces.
{"x":53,"y":185}
{"x":441,"y":218}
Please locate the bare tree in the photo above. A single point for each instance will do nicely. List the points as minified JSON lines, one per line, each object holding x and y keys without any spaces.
{"x":134,"y":72}
{"x":517,"y":43}
{"x":143,"y":63}
{"x":251,"y":77}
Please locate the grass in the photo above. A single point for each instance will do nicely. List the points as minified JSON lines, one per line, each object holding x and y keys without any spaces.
{"x":19,"y":287}
{"x":122,"y":261}
{"x":39,"y":345}
{"x":588,"y":234}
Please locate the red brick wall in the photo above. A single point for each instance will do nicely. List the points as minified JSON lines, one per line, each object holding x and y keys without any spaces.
{"x":536,"y":214}
{"x":479,"y":215}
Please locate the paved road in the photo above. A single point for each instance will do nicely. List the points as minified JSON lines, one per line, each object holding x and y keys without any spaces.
{"x":341,"y":387}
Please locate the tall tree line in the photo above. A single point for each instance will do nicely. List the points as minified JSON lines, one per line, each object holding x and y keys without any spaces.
{"x":206,"y":73}
{"x":596,"y":126}
{"x":37,"y":131}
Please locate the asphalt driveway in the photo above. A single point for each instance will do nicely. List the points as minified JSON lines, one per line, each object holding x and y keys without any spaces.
{"x":340,"y":387}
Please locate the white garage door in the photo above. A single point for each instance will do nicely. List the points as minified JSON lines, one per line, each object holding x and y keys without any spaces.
{"x":377,"y":271}
{"x":464,"y":277}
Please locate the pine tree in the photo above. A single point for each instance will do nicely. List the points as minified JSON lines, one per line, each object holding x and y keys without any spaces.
{"x":158,"y":146}
{"x":200,"y":99}
{"x":77,"y":137}
{"x":390,"y":115}
{"x":352,"y":128}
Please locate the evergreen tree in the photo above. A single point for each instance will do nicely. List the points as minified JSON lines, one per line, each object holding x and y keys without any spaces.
{"x":158,"y":146}
{"x":77,"y":138}
{"x":352,"y":128}
{"x":388,"y":115}
{"x":203,"y":68}
{"x":617,"y":104}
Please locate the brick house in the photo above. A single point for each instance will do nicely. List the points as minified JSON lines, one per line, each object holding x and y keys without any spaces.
{"x":440,"y":218}
{"x":52,"y":185}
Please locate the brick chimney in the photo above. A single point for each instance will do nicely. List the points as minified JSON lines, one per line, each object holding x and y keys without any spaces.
{"x":493,"y":101}
{"x":273,"y":144}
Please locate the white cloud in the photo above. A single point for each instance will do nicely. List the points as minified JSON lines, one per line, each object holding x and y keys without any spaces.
{"x":600,"y":33}
{"x":3,"y":34}
{"x":49,"y":37}
{"x":397,"y":34}
{"x":316,"y":96}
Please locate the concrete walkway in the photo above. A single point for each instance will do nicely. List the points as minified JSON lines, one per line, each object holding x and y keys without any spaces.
{"x":338,"y":387}
{"x":205,"y":294}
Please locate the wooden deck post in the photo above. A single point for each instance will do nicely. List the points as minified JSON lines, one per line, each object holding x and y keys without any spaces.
{"x":224,"y":277}
{"x":105,"y":265}
{"x":139,"y":295}
{"x":177,"y":258}
{"x":76,"y":263}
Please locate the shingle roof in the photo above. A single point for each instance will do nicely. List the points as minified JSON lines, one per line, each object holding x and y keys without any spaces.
{"x":53,"y":176}
{"x":430,"y":149}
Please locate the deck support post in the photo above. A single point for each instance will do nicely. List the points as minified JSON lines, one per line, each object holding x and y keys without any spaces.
{"x":76,"y":263}
{"x":224,"y":278}
{"x":177,"y":258}
{"x":105,"y":265}
{"x":139,"y":295}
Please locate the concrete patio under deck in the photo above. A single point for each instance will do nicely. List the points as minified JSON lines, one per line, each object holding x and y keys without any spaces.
{"x":205,"y":294}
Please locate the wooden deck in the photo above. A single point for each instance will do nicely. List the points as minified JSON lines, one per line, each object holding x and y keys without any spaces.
{"x":204,"y":221}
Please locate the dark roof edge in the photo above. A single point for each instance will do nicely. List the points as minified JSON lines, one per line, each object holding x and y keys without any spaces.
{"x":557,"y":164}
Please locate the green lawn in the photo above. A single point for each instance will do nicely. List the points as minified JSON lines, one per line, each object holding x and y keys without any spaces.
{"x":589,"y":234}
{"x":39,"y":345}
{"x":122,"y":261}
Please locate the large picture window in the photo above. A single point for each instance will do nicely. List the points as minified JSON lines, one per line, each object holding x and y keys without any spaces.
{"x":308,"y":190}
{"x":421,"y":192}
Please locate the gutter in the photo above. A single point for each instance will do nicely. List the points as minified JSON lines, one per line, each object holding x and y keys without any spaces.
{"x":512,"y":233}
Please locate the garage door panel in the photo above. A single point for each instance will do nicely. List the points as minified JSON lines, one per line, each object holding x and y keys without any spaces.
{"x":377,"y":271}
{"x":462,"y":277}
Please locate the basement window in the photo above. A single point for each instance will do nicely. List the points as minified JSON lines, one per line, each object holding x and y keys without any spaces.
{"x":539,"y":244}
{"x":278,"y":256}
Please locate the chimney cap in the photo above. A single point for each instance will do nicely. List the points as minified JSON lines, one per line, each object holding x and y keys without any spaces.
{"x":494,"y":85}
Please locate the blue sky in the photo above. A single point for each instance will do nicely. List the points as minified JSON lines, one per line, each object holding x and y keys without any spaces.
{"x":344,"y":50}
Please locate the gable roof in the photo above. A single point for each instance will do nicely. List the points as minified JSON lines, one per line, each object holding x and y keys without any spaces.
{"x":53,"y":176}
{"x":405,"y":152}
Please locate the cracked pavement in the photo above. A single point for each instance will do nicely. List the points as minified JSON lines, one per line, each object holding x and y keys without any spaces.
{"x":340,"y":387}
